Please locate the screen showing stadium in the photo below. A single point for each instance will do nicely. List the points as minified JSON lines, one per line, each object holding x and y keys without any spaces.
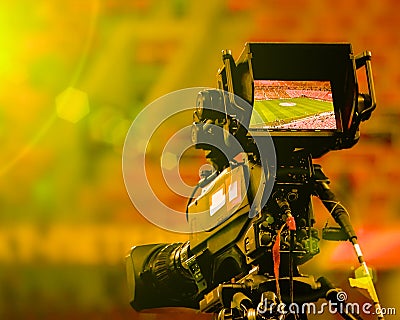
{"x":293,"y":105}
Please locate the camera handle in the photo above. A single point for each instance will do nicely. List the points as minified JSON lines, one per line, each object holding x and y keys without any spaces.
{"x":366,"y":102}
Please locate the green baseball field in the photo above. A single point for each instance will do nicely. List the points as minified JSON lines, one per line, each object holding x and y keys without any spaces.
{"x":277,"y":112}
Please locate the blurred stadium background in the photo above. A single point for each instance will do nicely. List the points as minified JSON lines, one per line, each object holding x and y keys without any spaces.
{"x":73,"y":76}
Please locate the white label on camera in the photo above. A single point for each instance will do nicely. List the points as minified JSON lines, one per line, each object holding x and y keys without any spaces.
{"x":217,"y":201}
{"x":233,"y":191}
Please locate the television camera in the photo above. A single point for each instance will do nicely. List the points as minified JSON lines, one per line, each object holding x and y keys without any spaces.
{"x":275,"y":109}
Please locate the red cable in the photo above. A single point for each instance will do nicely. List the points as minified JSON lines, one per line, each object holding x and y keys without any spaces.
{"x":276,"y":254}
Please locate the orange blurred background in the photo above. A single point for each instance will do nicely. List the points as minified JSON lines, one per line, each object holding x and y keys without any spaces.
{"x":74,"y":74}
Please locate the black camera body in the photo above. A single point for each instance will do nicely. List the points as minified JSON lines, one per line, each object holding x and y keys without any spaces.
{"x":277,"y":107}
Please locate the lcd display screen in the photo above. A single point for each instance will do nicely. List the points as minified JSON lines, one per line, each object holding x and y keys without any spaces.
{"x":293,"y":105}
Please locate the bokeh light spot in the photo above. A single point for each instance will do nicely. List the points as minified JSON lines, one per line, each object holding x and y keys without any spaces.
{"x":72,"y":104}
